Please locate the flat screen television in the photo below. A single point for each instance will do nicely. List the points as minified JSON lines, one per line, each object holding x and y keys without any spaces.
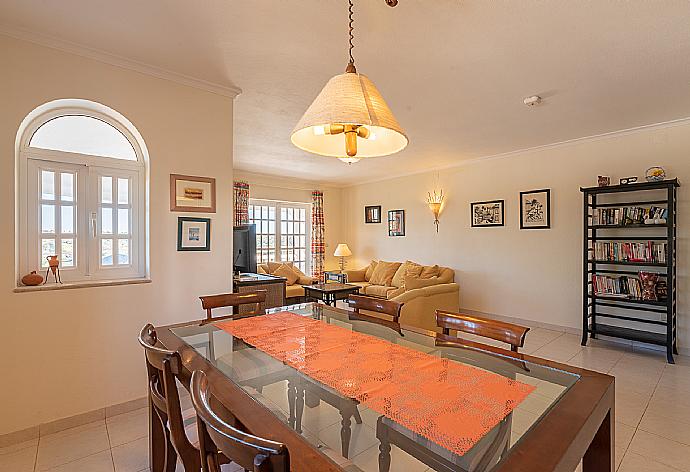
{"x":244,"y":248}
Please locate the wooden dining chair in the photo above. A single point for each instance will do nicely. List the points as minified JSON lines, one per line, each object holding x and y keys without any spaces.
{"x":250,"y":452}
{"x":234,"y":300}
{"x":378,"y":305}
{"x":498,"y":330}
{"x":163,"y":368}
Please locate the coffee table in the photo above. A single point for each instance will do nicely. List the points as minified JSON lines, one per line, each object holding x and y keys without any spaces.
{"x":329,"y":293}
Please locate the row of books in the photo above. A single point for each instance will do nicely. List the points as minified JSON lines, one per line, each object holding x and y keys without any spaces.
{"x":623,"y":286}
{"x":645,"y":251}
{"x":628,"y":215}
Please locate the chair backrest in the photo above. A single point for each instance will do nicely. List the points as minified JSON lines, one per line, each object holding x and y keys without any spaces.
{"x":209,"y":302}
{"x":163,"y":367}
{"x":499,"y":330}
{"x":378,"y":305}
{"x":249,"y":452}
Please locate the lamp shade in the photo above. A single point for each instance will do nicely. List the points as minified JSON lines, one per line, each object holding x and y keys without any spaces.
{"x":342,"y":251}
{"x":349,"y":99}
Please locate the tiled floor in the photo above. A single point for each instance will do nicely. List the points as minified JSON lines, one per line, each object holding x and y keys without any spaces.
{"x":652,"y":418}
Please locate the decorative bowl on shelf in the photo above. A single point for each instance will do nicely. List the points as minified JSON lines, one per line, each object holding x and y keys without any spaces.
{"x":655,"y":174}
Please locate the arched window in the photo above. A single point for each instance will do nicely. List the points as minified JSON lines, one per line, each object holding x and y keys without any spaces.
{"x":82,"y":191}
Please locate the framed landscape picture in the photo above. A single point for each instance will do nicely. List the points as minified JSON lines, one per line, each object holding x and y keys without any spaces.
{"x":535,"y":209}
{"x":489,"y":213}
{"x":193,"y":234}
{"x":190,"y":193}
{"x":396,"y":223}
{"x":372,"y":214}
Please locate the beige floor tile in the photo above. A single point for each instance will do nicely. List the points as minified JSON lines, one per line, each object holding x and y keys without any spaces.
{"x":633,"y":462}
{"x":128,"y":427}
{"x":665,"y":409}
{"x":671,"y":395}
{"x":598,"y":359}
{"x":72,"y":444}
{"x":656,"y":448}
{"x":22,"y":460}
{"x":630,"y":406}
{"x":624,"y":435}
{"x":320,"y":417}
{"x":19,"y":446}
{"x":362,"y":438}
{"x":368,"y":461}
{"x":131,"y":457}
{"x":667,"y":427}
{"x":99,"y":462}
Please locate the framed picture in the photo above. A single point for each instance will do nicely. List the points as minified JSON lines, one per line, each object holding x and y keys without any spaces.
{"x":535,"y":209}
{"x":396,"y":223}
{"x":189,"y":193}
{"x":490,"y":213}
{"x":193,"y":234}
{"x":372,"y":214}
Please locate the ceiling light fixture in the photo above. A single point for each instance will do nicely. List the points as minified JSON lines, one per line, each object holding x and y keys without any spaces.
{"x":350,"y":105}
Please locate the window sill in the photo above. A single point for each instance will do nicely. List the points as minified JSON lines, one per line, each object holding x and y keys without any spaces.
{"x":67,"y":286}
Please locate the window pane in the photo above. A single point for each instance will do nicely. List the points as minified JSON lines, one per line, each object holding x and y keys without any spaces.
{"x":67,"y":187}
{"x":123,"y":191}
{"x":47,"y":185}
{"x":67,"y":219}
{"x":47,"y":249}
{"x":106,"y":220}
{"x":289,"y":213}
{"x":272,"y":213}
{"x":106,"y":190}
{"x":47,"y":218}
{"x":67,"y":257}
{"x":122,"y":221}
{"x":123,"y":251}
{"x":106,"y":252}
{"x":84,"y":135}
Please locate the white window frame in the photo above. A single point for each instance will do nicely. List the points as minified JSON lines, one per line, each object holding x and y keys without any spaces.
{"x":278,"y":204}
{"x":87,"y":168}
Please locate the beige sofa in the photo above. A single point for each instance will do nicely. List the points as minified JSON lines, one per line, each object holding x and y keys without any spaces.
{"x":422,"y":289}
{"x":294,"y":293}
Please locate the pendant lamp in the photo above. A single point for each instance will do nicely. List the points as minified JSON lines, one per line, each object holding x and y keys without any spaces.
{"x":349,"y":119}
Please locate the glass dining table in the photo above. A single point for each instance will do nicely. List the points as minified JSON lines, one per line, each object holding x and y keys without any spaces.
{"x":566,"y":418}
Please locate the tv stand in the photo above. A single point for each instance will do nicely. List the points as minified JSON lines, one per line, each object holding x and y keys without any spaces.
{"x":274,"y":286}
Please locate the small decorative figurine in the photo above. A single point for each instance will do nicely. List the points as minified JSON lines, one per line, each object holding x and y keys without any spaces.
{"x":628,"y":180}
{"x":54,"y":267}
{"x":649,"y":280}
{"x":655,"y":174}
{"x":604,"y":181}
{"x":32,"y":279}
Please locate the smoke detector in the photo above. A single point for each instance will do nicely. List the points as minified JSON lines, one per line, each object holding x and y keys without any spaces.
{"x":532,"y":101}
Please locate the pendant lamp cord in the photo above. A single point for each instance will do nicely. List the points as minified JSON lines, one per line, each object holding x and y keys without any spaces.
{"x":352,"y":36}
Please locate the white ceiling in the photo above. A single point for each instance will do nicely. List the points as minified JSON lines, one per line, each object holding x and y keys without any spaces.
{"x":454,"y":72}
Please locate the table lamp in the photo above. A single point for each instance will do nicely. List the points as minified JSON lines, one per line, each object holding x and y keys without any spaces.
{"x":342,"y":251}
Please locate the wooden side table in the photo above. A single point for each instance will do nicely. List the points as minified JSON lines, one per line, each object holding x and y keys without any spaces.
{"x":274,"y":286}
{"x":329,"y":293}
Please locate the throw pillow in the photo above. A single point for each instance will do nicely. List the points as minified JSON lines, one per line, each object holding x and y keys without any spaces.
{"x":430,"y":271}
{"x":414,"y":270}
{"x":286,"y":271}
{"x":273,"y":266}
{"x":412,"y":283}
{"x":399,"y":277}
{"x":356,"y":275}
{"x":384,"y":272}
{"x":261,"y":270}
{"x":370,"y":270}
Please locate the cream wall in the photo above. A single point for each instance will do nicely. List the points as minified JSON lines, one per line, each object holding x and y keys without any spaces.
{"x":295,"y":190}
{"x":70,"y":351}
{"x":527,"y":274}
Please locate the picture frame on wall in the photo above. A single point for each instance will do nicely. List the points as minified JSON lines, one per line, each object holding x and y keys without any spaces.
{"x":396,"y":223}
{"x":193,"y":234}
{"x":192,"y":194}
{"x":535,"y":209}
{"x":372,"y":214}
{"x":486,"y":214}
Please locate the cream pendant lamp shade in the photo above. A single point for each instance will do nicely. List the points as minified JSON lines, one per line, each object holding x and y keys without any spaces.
{"x":349,"y":99}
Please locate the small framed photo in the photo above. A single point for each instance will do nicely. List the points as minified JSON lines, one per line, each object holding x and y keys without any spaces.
{"x":193,"y":234}
{"x":491,"y":213}
{"x":396,"y":223}
{"x":190,"y":193}
{"x":535,"y":209}
{"x":372,"y":214}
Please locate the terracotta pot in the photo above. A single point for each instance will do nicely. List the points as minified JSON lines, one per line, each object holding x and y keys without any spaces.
{"x":32,"y":279}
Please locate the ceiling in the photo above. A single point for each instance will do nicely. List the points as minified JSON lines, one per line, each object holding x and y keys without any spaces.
{"x":454,"y":72}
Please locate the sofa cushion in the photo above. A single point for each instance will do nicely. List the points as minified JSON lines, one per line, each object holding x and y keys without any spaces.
{"x":412,"y":283}
{"x":262,"y":269}
{"x":370,"y":270}
{"x":294,"y":291}
{"x":288,"y":272}
{"x":404,"y":269}
{"x":414,"y":269}
{"x":384,"y":272}
{"x":356,"y":275}
{"x":395,"y":292}
{"x":430,"y":271}
{"x":378,"y":290}
{"x":361,"y":285}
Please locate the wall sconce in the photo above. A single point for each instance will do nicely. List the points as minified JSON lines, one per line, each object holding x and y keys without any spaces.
{"x":435,"y":201}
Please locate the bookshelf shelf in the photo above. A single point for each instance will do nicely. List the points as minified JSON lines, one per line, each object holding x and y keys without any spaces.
{"x":600,"y":204}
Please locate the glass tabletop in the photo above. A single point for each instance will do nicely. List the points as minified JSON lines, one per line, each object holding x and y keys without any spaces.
{"x":349,"y":433}
{"x":331,"y":287}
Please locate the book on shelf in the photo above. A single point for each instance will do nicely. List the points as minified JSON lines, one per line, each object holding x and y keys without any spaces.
{"x":623,"y":286}
{"x":618,"y":251}
{"x":624,"y":216}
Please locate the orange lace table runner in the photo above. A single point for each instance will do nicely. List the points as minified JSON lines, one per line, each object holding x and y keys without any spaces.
{"x":451,"y":404}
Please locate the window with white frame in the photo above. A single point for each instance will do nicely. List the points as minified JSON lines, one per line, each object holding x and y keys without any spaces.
{"x":82,"y":196}
{"x":282,"y":232}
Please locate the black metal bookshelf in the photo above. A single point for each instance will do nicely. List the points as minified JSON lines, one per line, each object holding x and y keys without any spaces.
{"x":647,"y":321}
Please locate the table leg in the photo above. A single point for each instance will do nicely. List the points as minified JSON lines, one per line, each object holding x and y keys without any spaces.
{"x":600,"y":455}
{"x":292,"y":400}
{"x":299,"y":409}
{"x":345,"y":433}
{"x":384,"y":446}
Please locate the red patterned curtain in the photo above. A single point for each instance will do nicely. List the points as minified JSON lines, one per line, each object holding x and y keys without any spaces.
{"x":318,"y":244}
{"x":240,"y":202}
